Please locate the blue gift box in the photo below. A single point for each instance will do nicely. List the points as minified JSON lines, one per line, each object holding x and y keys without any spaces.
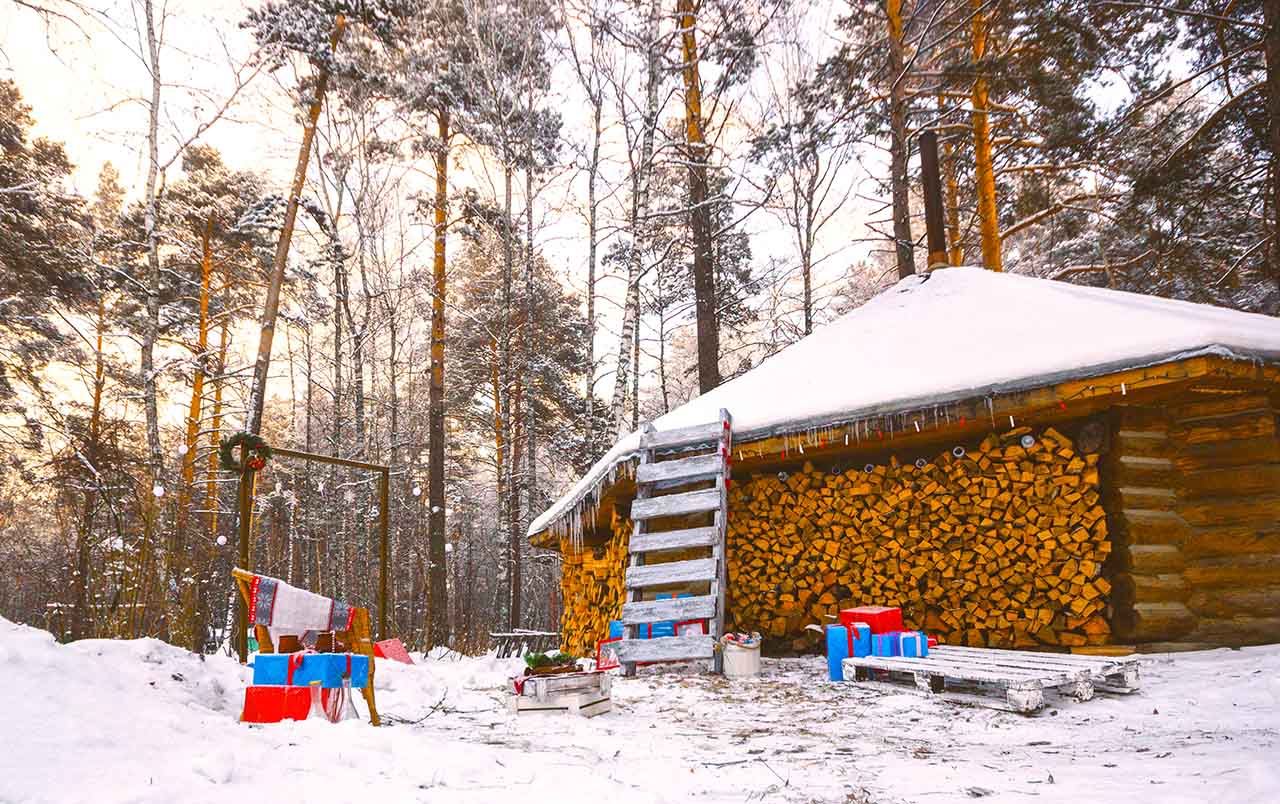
{"x":327,"y":668}
{"x":838,"y":643}
{"x":885,"y":644}
{"x":913,"y":645}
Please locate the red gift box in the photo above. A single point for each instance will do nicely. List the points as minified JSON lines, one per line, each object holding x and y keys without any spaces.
{"x":933,"y":642}
{"x":392,"y":649}
{"x":272,"y":704}
{"x":882,"y":619}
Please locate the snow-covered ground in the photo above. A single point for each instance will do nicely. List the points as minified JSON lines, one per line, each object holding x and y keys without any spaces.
{"x":142,"y":721}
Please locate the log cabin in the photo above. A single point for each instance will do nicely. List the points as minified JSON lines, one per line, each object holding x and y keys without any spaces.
{"x":1016,"y":462}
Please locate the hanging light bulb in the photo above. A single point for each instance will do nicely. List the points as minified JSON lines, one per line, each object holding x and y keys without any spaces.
{"x":157,"y":490}
{"x":417,"y":491}
{"x":222,"y":541}
{"x":448,"y":548}
{"x":183,"y":449}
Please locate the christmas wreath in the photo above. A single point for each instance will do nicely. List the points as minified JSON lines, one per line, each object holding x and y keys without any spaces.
{"x":256,"y":447}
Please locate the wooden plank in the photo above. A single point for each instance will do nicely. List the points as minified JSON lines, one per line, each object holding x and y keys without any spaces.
{"x":682,"y":436}
{"x":1158,"y":588}
{"x":1077,"y":671}
{"x":1143,"y":526}
{"x":585,"y":705}
{"x":1239,"y":571}
{"x":1153,"y":559}
{"x":678,"y":609}
{"x":1236,"y":631}
{"x":698,"y":569}
{"x":691,"y":502}
{"x":1234,"y":481}
{"x":1265,"y":449}
{"x":1138,"y":470}
{"x":666,"y":649}
{"x":1261,"y":601}
{"x":1151,"y":498}
{"x":1022,"y":706}
{"x":697,"y":467}
{"x":1256,"y":510}
{"x":1099,"y":664}
{"x":958,"y":671}
{"x":1151,"y":622}
{"x":1228,"y":540}
{"x":1245,"y":425}
{"x":674,"y":540}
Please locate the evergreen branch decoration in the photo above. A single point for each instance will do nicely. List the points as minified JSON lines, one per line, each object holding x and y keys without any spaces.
{"x":257,"y":448}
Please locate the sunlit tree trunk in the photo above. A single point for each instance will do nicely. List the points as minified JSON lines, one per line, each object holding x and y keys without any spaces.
{"x":988,"y":216}
{"x":261,"y":366}
{"x":704,"y":277}
{"x":180,"y":559}
{"x":899,"y":148}
{"x":437,"y":580}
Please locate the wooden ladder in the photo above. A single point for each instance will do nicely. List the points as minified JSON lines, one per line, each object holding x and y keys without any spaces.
{"x":704,"y":452}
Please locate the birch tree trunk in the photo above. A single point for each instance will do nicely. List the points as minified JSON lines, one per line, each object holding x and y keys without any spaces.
{"x":639,"y":223}
{"x":530,"y":333}
{"x":593,"y":173}
{"x":151,"y":332}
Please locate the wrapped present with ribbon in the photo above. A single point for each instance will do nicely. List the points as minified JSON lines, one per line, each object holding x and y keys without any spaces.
{"x":913,"y":645}
{"x":303,"y":668}
{"x":843,"y":642}
{"x":885,"y":644}
{"x":881,"y":619}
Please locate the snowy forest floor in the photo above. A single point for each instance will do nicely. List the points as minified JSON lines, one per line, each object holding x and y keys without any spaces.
{"x":142,"y":721}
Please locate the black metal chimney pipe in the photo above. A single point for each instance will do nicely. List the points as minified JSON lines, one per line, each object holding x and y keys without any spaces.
{"x":936,"y":235}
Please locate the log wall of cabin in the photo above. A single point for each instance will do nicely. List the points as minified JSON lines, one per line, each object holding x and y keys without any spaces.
{"x":1194,"y":505}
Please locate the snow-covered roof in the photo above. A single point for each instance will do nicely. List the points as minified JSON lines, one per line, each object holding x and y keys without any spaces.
{"x":955,"y":334}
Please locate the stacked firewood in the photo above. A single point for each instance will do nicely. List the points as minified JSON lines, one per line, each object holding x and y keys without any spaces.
{"x":1000,"y":546}
{"x":592,"y":587}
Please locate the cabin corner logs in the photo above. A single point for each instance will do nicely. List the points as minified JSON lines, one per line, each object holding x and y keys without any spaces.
{"x":1144,"y":525}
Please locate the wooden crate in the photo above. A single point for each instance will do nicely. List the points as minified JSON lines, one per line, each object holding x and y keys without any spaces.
{"x":585,"y":694}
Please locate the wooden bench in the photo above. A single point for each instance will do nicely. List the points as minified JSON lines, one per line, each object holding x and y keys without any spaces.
{"x":519,"y":642}
{"x":1002,"y":679}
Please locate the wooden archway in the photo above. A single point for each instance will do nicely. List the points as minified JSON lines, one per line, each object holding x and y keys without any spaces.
{"x":245,"y":507}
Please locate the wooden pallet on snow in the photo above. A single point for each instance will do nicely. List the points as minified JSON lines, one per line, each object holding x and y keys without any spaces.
{"x":585,"y":694}
{"x":1002,"y":679}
